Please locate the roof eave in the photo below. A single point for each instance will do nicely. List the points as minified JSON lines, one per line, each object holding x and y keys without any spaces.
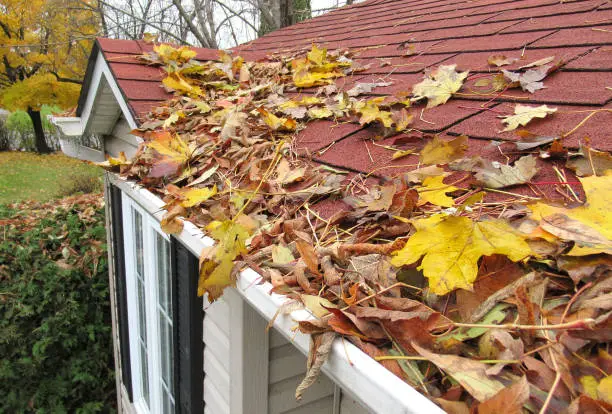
{"x":366,"y":380}
{"x":100,"y":88}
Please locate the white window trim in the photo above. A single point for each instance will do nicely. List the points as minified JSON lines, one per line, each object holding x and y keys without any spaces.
{"x":150,"y":228}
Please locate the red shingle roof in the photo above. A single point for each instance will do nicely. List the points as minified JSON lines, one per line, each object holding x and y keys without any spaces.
{"x":383,"y":33}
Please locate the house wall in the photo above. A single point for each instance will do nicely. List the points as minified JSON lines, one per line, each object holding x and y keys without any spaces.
{"x":284,"y":365}
{"x":217,"y":357}
{"x":121,"y":140}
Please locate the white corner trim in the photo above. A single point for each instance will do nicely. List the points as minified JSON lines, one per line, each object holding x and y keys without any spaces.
{"x":364,"y":379}
{"x":73,"y":126}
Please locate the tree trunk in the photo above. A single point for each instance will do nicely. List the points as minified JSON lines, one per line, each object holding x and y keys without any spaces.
{"x":40,"y":142}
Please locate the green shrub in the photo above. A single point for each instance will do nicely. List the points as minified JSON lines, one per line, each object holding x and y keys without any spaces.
{"x":83,"y":183}
{"x":55,"y":331}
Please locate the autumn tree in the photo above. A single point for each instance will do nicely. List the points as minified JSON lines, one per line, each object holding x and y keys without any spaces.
{"x":44,"y":46}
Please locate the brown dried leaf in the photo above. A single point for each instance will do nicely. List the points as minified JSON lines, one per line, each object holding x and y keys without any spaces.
{"x":538,"y":62}
{"x":320,"y":347}
{"x":453,"y":407}
{"x":590,"y":162}
{"x":582,"y":267}
{"x":509,"y":400}
{"x":171,"y":223}
{"x":530,"y":141}
{"x":567,"y":228}
{"x":500,"y":60}
{"x":469,"y":373}
{"x":308,"y":254}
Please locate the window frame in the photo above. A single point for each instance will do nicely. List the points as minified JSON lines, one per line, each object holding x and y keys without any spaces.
{"x":150,"y":229}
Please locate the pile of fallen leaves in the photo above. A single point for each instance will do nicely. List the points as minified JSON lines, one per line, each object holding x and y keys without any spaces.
{"x":495,"y":305}
{"x":26,"y":216}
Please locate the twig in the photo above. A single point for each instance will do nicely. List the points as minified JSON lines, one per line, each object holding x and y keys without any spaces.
{"x":581,"y":123}
{"x":573,"y":299}
{"x":509,"y":193}
{"x":563,"y":178}
{"x":587,"y":323}
{"x":369,"y":153}
{"x":348,"y":358}
{"x":554,"y":385}
{"x":398,"y":284}
{"x":275,"y":161}
{"x":417,"y":358}
{"x":540,"y":348}
{"x":424,"y":120}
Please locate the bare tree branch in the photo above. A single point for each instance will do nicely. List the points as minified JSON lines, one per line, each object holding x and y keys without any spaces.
{"x":194,"y":30}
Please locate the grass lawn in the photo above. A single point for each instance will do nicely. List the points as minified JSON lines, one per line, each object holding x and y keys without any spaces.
{"x":29,"y":176}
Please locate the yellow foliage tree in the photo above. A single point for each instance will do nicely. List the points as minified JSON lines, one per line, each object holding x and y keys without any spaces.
{"x":44,"y":46}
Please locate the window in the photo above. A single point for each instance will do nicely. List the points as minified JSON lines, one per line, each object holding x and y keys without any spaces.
{"x":149,"y":291}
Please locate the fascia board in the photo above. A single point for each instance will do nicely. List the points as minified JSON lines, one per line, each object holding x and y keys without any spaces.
{"x":71,"y":126}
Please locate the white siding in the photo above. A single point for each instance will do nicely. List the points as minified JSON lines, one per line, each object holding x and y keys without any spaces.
{"x":120,"y":140}
{"x":349,"y":406}
{"x":217,"y":358}
{"x":287,"y":367}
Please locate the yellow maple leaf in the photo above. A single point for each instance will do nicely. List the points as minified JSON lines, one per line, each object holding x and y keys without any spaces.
{"x":370,"y":112}
{"x":178,"y":83}
{"x":434,"y":191}
{"x":439,"y":85}
{"x":438,"y":151}
{"x":169,"y":54}
{"x":316,"y":69}
{"x":604,"y":389}
{"x":309,"y":100}
{"x":320,"y":113}
{"x":194,"y":196}
{"x":595,"y":213}
{"x":276,"y":123}
{"x":217,"y":263}
{"x":114,"y":162}
{"x":451,"y":247}
{"x":317,"y":56}
{"x":523,"y":114}
{"x":170,"y":153}
{"x":304,"y":78}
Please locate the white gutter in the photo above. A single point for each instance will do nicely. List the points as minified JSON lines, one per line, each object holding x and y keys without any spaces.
{"x":70,"y":126}
{"x":367,"y":381}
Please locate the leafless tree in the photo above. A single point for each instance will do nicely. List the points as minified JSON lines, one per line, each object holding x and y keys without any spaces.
{"x":205,"y":23}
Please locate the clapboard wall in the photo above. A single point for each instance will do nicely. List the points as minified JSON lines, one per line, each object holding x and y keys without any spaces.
{"x":284,"y":366}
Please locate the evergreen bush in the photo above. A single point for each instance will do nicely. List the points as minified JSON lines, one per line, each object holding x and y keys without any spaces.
{"x":55,"y":331}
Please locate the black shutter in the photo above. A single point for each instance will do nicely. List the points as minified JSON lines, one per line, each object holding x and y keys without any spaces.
{"x":189,"y":361}
{"x":120,"y":286}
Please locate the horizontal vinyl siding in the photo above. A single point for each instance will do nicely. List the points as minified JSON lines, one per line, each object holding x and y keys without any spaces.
{"x":213,"y":399}
{"x":286,"y":370}
{"x":349,"y":406}
{"x":322,"y":406}
{"x":216,"y":357}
